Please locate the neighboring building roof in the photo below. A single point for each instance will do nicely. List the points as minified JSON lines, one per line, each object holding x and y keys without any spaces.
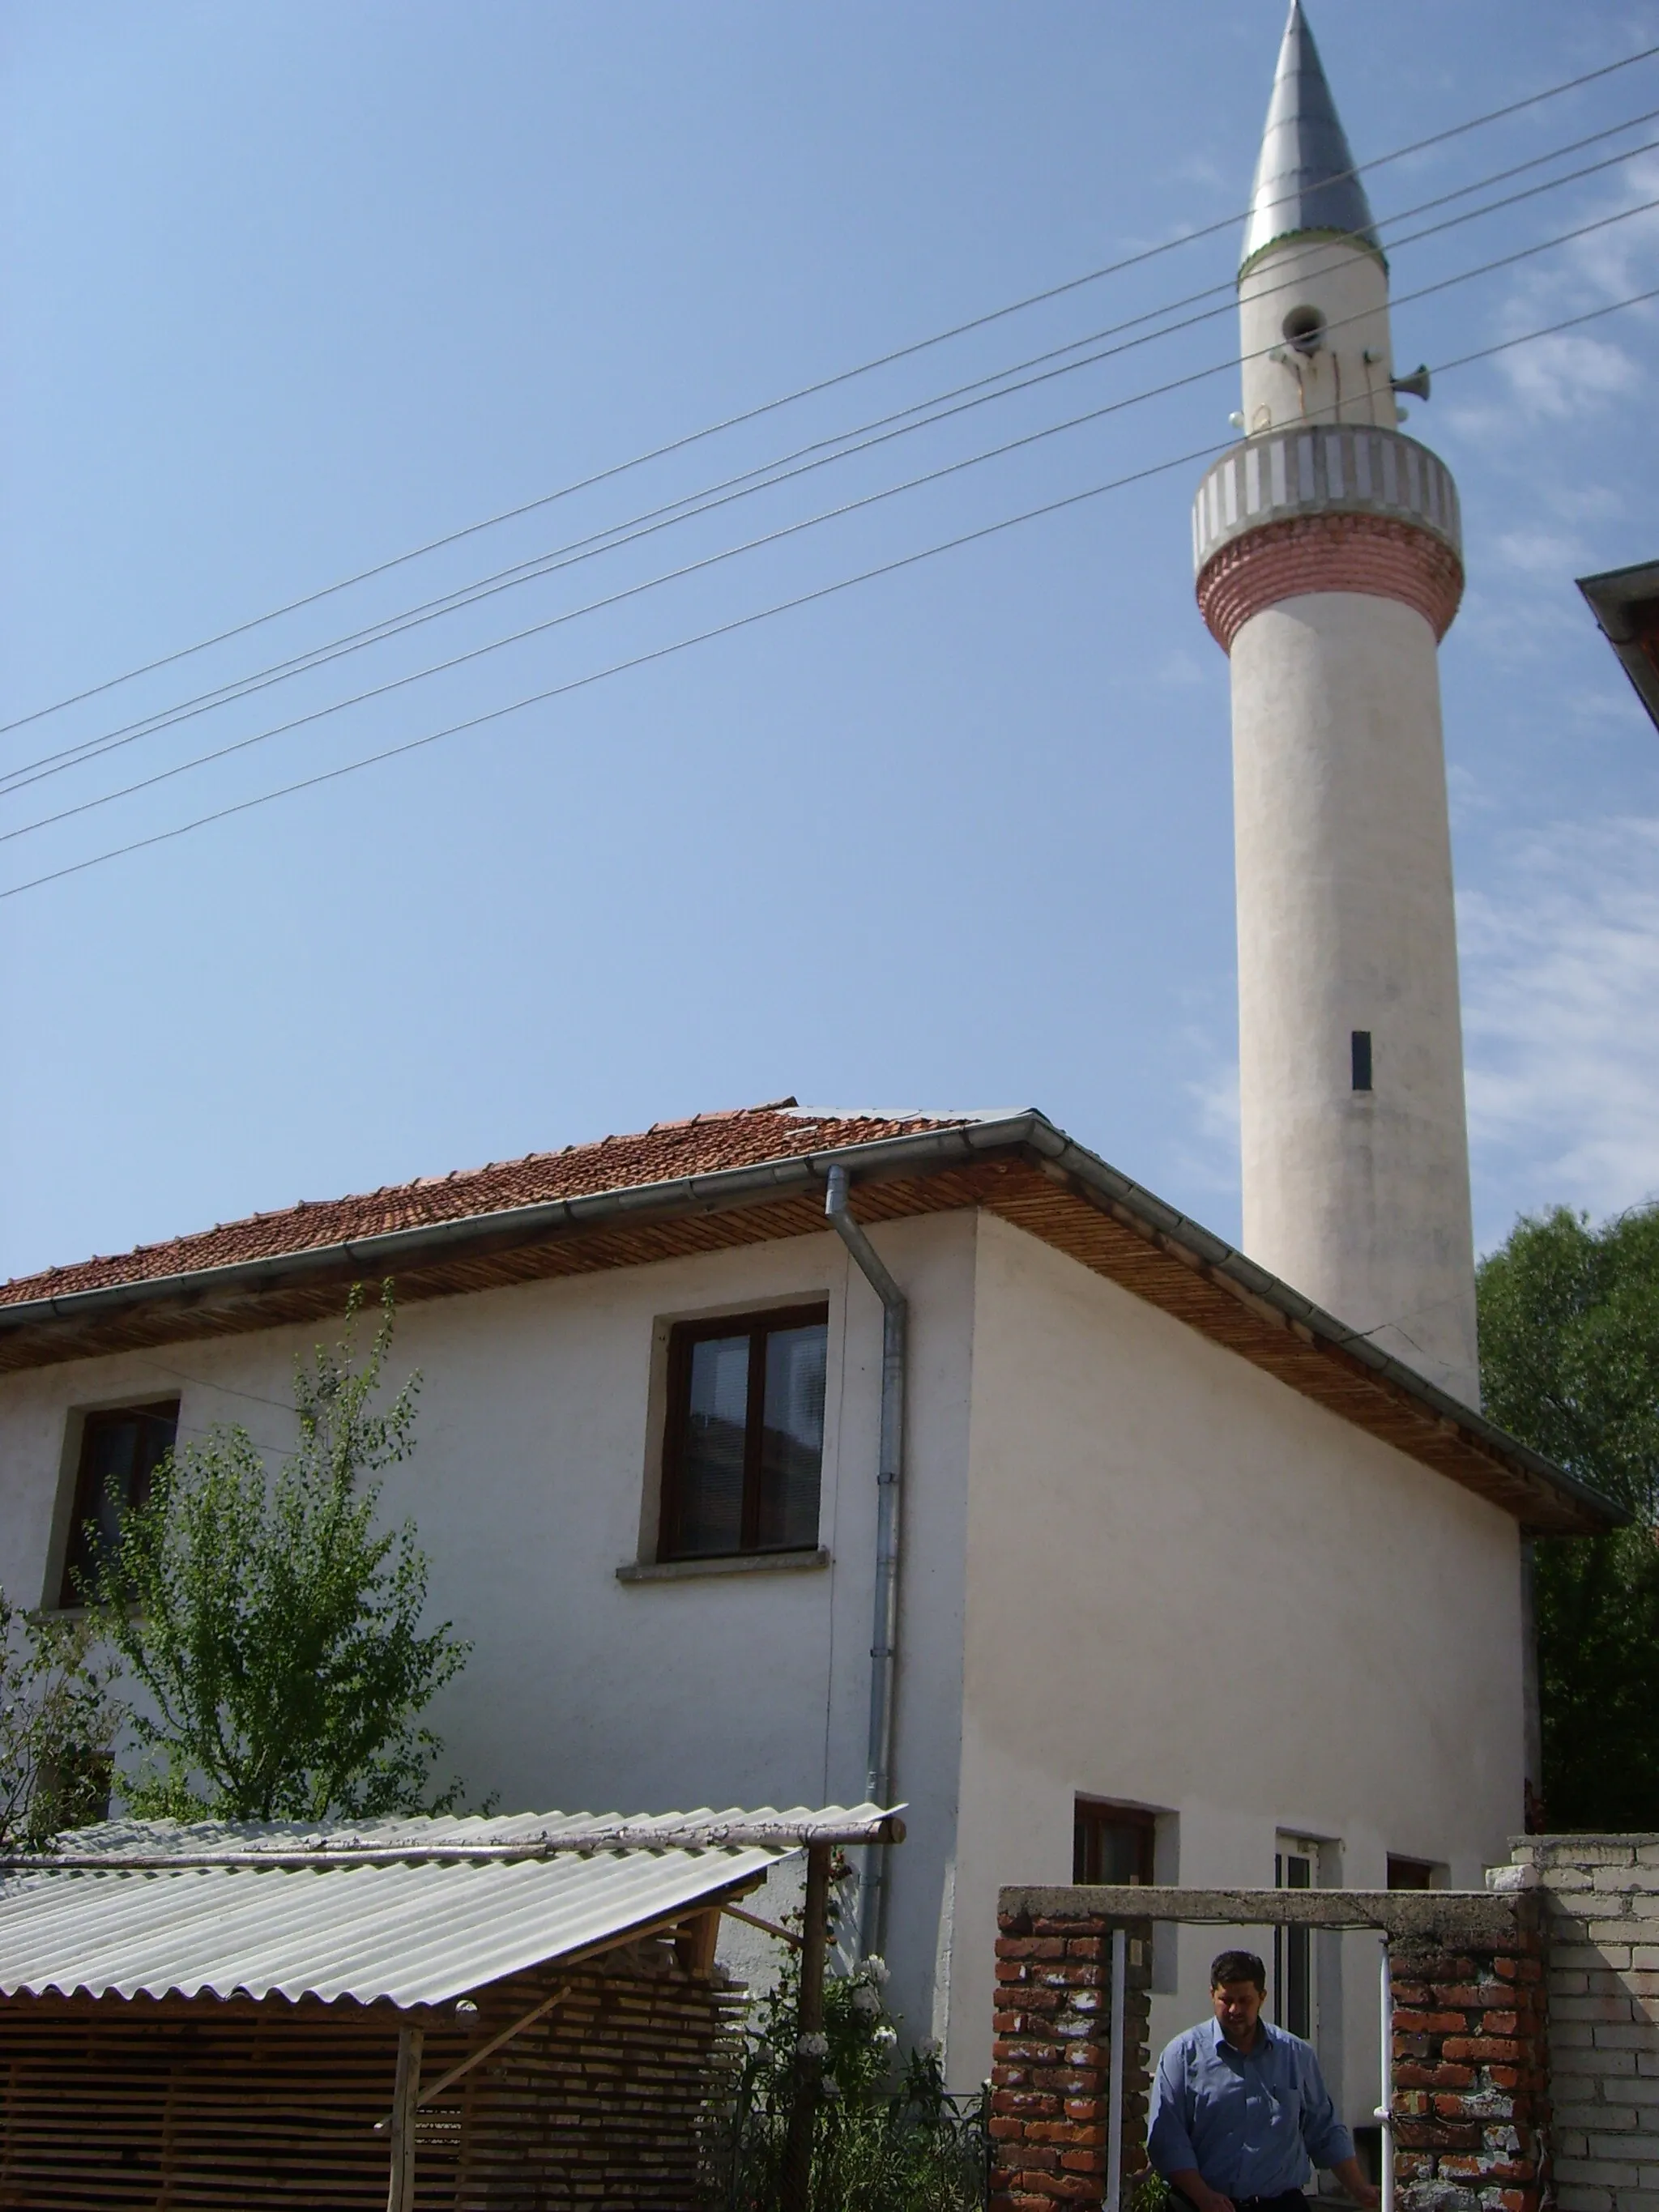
{"x":1305,"y":175}
{"x":1626,"y":602}
{"x":758,"y":1174}
{"x":419,"y":1931}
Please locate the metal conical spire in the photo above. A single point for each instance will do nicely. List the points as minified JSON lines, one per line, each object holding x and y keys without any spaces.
{"x":1305,"y":177}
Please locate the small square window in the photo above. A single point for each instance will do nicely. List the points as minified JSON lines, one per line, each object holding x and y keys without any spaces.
{"x":121,"y":1448}
{"x":1411,"y":1874}
{"x":743,"y":1452}
{"x":1112,"y":1843}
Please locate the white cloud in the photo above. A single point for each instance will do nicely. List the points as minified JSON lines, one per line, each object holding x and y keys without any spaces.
{"x":1205,"y":1148}
{"x":1539,"y":552}
{"x":1569,"y":374}
{"x":1554,"y":379}
{"x":1561,"y":1022}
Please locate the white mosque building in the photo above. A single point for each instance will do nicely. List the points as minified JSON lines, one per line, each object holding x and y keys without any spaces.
{"x":782,"y":1456}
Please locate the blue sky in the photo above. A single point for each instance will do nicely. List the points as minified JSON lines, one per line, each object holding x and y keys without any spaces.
{"x":291,"y":288}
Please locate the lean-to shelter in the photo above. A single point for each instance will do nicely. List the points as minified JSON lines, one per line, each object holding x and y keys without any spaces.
{"x":518,"y":2011}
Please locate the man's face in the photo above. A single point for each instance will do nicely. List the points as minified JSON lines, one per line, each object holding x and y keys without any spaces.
{"x":1236,"y":2005}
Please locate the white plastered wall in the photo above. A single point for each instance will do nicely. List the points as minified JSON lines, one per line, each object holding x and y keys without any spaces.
{"x":1360,"y":1199}
{"x":1347,"y":378}
{"x":1192,"y":1589}
{"x":583,"y":1692}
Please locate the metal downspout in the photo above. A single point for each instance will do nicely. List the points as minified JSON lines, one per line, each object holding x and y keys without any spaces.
{"x":883,"y":1643}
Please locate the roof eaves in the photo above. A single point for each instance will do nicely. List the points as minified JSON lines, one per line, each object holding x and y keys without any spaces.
{"x":950,"y":1144}
{"x":1626,"y":604}
{"x":1245,"y":1276}
{"x":712,"y":1191}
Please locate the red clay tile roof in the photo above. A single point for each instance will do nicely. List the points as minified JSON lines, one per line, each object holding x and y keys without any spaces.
{"x":706,"y":1142}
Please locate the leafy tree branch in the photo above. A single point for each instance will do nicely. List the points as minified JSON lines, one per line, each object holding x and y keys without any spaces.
{"x":1570,"y":1362}
{"x":274,"y":1627}
{"x":57,"y":1726}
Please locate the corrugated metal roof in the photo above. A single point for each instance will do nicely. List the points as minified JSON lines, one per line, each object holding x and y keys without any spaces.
{"x":418,"y":1932}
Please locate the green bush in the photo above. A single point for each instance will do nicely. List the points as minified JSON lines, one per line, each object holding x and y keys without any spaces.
{"x":273,"y":1625}
{"x":887,"y":2138}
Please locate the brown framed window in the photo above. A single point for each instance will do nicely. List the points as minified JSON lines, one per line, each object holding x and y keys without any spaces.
{"x":1410,"y":1873}
{"x":1112,"y":1843}
{"x":121,"y":1448}
{"x":743,"y":1453}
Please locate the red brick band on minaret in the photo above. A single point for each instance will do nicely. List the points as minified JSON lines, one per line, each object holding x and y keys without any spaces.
{"x":1370,"y":553}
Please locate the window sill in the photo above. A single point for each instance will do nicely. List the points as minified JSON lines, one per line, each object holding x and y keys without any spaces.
{"x":739,"y":1563}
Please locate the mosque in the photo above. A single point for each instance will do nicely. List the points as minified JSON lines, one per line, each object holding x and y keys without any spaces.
{"x":795,"y":1456}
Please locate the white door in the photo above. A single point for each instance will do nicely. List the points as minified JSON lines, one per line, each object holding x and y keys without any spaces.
{"x":1296,"y":1866}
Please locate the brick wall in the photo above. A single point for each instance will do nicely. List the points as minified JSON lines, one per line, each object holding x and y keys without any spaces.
{"x":1051,"y":2057}
{"x":1367,"y":553}
{"x":1471,"y":2089}
{"x":1601,"y":1899}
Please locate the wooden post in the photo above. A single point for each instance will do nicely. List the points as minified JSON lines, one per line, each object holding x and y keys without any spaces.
{"x":809,"y":2069}
{"x":405,"y":2100}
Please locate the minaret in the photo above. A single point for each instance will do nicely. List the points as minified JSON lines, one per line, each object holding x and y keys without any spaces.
{"x":1329,"y":566}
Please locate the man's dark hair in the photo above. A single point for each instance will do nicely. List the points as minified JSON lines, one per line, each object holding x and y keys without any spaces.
{"x":1238,"y":1967}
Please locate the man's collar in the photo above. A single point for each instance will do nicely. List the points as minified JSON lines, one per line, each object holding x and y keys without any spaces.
{"x":1265,"y":2033}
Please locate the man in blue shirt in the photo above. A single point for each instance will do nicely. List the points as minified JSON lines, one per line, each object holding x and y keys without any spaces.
{"x":1239,"y":2107}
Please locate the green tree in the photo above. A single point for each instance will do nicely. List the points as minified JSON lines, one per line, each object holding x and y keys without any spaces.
{"x":57,"y":1726}
{"x":1569,"y":1363}
{"x":273,"y":1629}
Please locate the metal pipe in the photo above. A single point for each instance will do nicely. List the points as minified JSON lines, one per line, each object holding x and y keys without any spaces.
{"x":1114,"y":2078}
{"x":620,"y":1836}
{"x":1385,"y":2110}
{"x":883,"y":1643}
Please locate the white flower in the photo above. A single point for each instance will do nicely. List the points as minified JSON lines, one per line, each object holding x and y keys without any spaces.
{"x":931,"y":2047}
{"x":813,"y":2046}
{"x":864,"y":1999}
{"x":874,"y":1969}
{"x":887,"y":2037}
{"x":832,"y":2086}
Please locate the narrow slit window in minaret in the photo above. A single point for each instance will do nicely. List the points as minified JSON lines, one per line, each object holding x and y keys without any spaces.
{"x":1362,"y":1060}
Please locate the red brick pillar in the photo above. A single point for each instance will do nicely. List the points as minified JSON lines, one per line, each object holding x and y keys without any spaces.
{"x":1471,"y":2081}
{"x":1051,"y":2061}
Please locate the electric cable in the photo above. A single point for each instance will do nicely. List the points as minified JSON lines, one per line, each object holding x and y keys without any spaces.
{"x":766,"y":474}
{"x":780,"y":471}
{"x":743,"y":621}
{"x":809,"y":391}
{"x":770,"y":537}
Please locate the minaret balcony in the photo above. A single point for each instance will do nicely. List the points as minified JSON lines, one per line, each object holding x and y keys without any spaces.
{"x":1331,"y":506}
{"x":1319,"y":469}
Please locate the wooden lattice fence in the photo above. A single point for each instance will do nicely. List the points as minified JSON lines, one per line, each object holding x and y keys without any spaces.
{"x":194,"y":2102}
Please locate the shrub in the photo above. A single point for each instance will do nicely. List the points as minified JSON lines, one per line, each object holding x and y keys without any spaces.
{"x":887,"y":2136}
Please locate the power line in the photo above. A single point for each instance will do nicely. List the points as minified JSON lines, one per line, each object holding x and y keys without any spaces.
{"x":771,"y":537}
{"x":810,"y":391}
{"x":753,"y":544}
{"x":744,"y":621}
{"x":688,"y":506}
{"x":775,"y":472}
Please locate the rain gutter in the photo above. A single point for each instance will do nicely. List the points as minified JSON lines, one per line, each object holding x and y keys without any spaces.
{"x":881,"y":1827}
{"x":890,"y":1472}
